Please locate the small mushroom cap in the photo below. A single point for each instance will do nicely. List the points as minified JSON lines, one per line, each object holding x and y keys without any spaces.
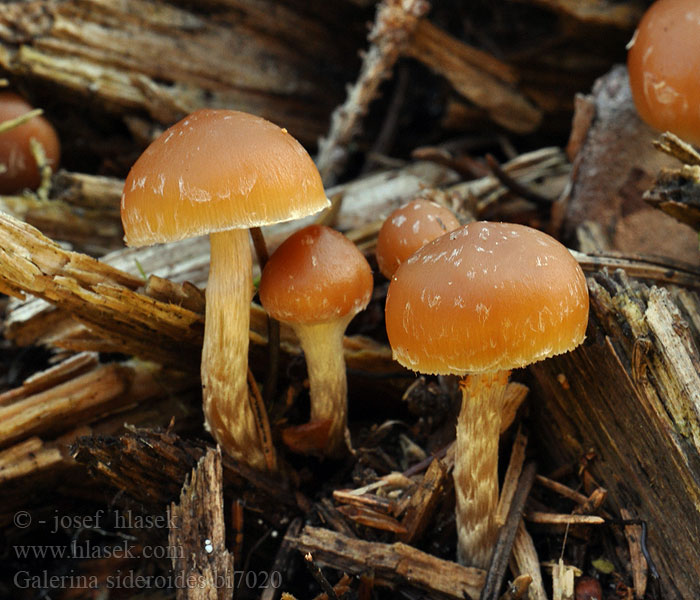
{"x":21,"y":170}
{"x":664,"y":63}
{"x":409,"y":228}
{"x":317,"y":275}
{"x":216,"y":170}
{"x":486,"y":297}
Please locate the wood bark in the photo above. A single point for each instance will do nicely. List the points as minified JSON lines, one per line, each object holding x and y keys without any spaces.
{"x":631,"y":395}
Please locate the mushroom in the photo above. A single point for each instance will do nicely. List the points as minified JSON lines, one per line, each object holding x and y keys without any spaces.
{"x":16,"y":156}
{"x":480,"y":301}
{"x":663,"y":63}
{"x":221,"y":172}
{"x":408,"y":228}
{"x":317,"y":281}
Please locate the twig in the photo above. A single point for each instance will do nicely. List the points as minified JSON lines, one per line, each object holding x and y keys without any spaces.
{"x":391,"y":120}
{"x":273,"y":325}
{"x":21,"y":120}
{"x":262,"y":423}
{"x":393,"y":26}
{"x":674,"y":146}
{"x":392,"y":564}
{"x":511,"y":481}
{"x":283,"y":558}
{"x":514,"y":185}
{"x":518,"y":589}
{"x":499,"y":560}
{"x":561,"y":519}
{"x":633,"y":534}
{"x":319,"y":577}
{"x":561,"y":489}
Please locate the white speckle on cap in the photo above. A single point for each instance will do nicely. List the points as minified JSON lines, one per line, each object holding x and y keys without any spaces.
{"x":398,"y":220}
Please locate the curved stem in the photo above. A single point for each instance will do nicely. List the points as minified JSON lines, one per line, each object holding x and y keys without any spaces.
{"x":476,"y":466}
{"x":227,"y":409}
{"x":323,"y":349}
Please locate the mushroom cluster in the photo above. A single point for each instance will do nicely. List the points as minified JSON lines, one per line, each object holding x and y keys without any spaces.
{"x":222,"y":172}
{"x":478,"y":302}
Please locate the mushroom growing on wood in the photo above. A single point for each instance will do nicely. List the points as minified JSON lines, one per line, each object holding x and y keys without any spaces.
{"x":221,"y":172}
{"x":664,"y":63}
{"x":19,"y":167}
{"x":317,"y":281}
{"x":480,"y":301}
{"x":409,"y":228}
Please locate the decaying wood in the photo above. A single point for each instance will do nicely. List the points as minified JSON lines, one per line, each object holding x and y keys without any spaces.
{"x":392,"y":564}
{"x":423,"y":502}
{"x":511,"y":478}
{"x":115,"y":317}
{"x":677,"y":191}
{"x":635,"y":379}
{"x":476,"y":75}
{"x":612,"y":196}
{"x":518,"y":588}
{"x":150,"y":466}
{"x":526,"y":563}
{"x":508,"y":532}
{"x":165,"y":60}
{"x":393,"y":26}
{"x":98,"y":392}
{"x":549,"y":166}
{"x":83,"y":210}
{"x":197,"y":533}
{"x":563,"y":577}
{"x":633,"y":533}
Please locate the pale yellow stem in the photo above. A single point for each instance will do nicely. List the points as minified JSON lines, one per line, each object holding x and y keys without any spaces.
{"x":322,"y":344}
{"x":227,"y":410}
{"x":476,"y":466}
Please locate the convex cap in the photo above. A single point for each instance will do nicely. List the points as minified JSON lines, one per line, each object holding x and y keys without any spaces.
{"x":21,"y":170}
{"x":217,"y":170}
{"x":316,"y":275}
{"x":486,"y":297}
{"x":664,"y":67}
{"x":408,"y":228}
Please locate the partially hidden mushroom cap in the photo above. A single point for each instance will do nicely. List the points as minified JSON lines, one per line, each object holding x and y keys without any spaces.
{"x":486,"y":297}
{"x":20,"y":168}
{"x":216,"y":170}
{"x":316,"y":275}
{"x":664,"y":63}
{"x":409,"y":228}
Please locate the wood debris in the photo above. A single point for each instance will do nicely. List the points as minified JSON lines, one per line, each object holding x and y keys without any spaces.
{"x":393,"y":27}
{"x":393,"y":564}
{"x":638,"y":375}
{"x":198,"y":531}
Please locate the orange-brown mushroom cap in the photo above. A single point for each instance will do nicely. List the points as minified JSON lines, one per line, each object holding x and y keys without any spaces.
{"x":315,"y":276}
{"x":409,"y":228}
{"x":486,"y":297}
{"x":216,"y":170}
{"x":21,"y":170}
{"x":664,"y":67}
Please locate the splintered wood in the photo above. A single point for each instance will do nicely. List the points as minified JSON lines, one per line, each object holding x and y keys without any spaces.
{"x":135,"y":58}
{"x":95,"y":306}
{"x":677,"y":191}
{"x":632,"y":394}
{"x":198,"y":534}
{"x":392,"y":564}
